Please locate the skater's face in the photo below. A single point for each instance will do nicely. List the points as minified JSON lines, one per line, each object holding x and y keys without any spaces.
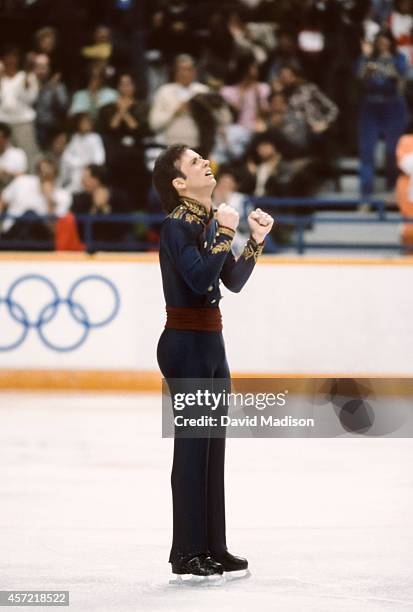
{"x":197,"y":171}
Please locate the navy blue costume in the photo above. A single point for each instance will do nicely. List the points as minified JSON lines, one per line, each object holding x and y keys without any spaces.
{"x":195,"y":255}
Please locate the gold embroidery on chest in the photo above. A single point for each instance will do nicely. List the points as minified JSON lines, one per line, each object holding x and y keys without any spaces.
{"x":196,"y":208}
{"x":177,"y":212}
{"x":181,"y":212}
{"x":192,"y":219}
{"x":196,"y":211}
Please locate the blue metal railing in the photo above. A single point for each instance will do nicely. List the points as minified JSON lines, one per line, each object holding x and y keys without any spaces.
{"x":301,"y":222}
{"x":379,"y":205}
{"x":298,"y":222}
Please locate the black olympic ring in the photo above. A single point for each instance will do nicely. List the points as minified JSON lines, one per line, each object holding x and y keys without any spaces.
{"x":49,"y":311}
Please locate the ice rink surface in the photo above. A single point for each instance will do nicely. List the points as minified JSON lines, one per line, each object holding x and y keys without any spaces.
{"x":85,"y":506}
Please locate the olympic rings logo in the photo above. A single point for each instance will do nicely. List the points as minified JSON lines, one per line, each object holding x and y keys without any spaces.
{"x":46,"y":314}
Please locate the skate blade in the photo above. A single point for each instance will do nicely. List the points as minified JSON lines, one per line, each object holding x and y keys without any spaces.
{"x":238,"y":575}
{"x":191,"y":580}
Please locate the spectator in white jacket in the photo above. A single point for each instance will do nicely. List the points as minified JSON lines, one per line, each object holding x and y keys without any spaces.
{"x":85,"y":147}
{"x":13,"y":161}
{"x":37,"y":194}
{"x":170,"y":116}
{"x":18,"y":93}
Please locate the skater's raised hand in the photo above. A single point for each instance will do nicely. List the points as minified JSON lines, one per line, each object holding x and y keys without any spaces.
{"x":260,"y":224}
{"x":227,"y":216}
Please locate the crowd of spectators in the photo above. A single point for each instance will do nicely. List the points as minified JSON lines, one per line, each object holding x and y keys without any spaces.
{"x":271,"y":91}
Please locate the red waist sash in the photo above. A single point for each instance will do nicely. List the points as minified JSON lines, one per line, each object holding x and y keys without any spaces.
{"x":195,"y":319}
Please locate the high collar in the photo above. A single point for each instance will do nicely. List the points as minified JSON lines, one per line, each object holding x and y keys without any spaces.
{"x":197,"y":209}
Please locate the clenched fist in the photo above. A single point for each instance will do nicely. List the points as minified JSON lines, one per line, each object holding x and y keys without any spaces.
{"x":227,"y":216}
{"x":260,"y":224}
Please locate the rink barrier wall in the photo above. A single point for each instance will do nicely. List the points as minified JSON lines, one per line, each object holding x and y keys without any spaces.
{"x":151,"y":382}
{"x":153,"y":257}
{"x":93,"y":366}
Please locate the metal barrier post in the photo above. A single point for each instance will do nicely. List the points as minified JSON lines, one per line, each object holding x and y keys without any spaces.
{"x":88,"y":232}
{"x":381,"y":209}
{"x":300,"y":236}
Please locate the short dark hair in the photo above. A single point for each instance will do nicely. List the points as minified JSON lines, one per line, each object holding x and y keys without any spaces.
{"x":5,"y":129}
{"x":164,"y":172}
{"x":98,"y":172}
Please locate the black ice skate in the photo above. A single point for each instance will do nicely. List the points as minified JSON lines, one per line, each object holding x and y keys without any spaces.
{"x":234,"y":567}
{"x":198,"y":570}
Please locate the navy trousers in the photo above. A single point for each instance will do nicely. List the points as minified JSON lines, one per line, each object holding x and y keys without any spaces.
{"x":197,"y":477}
{"x":386,"y":119}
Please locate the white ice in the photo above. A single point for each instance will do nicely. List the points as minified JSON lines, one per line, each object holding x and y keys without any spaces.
{"x":86,"y":507}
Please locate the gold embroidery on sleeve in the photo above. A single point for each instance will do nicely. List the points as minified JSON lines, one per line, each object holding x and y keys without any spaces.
{"x":252,"y":249}
{"x":227,"y":231}
{"x":225,"y":245}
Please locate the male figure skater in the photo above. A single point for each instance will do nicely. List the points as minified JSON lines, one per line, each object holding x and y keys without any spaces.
{"x":195,"y":255}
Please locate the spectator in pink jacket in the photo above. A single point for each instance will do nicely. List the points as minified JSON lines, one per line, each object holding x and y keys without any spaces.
{"x":248,"y":98}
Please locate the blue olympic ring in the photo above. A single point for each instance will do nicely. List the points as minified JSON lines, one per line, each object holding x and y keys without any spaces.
{"x":49,"y":311}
